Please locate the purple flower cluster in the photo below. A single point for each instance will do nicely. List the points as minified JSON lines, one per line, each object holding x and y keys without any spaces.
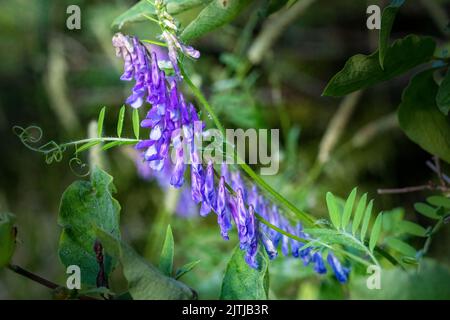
{"x":172,"y":123}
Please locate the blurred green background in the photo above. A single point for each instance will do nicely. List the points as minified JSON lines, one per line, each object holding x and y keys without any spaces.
{"x":59,"y":79}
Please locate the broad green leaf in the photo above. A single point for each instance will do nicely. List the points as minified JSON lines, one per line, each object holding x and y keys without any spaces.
{"x":86,"y":205}
{"x":387,"y":20}
{"x":87,"y":145}
{"x":426,"y":210}
{"x":101,"y":119}
{"x":145,"y":281}
{"x":420,"y":118}
{"x":366,"y":221}
{"x":429,"y":281}
{"x":142,"y":8}
{"x":166,"y":258}
{"x":443,"y":95}
{"x":401,"y":246}
{"x":376,"y":230}
{"x":242,"y":282}
{"x":7,"y":238}
{"x":185,"y":269}
{"x":363,"y":71}
{"x":214,"y":15}
{"x":333,"y":210}
{"x":120,"y":121}
{"x":439,"y":201}
{"x":136,"y":124}
{"x":412,"y":228}
{"x":359,"y":213}
{"x":348,"y":208}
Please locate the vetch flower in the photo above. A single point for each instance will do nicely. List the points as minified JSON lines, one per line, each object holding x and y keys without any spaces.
{"x":223,"y":215}
{"x":340,"y":272}
{"x":319,"y":265}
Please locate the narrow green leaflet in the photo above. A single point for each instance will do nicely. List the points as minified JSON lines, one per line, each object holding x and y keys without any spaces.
{"x":439,"y":201}
{"x":144,"y":7}
{"x":84,"y":206}
{"x":348,"y":208}
{"x":120,"y":121}
{"x":242,"y":282}
{"x":214,"y":15}
{"x":362,"y":71}
{"x":186,"y":268}
{"x":101,"y":119}
{"x":443,"y":95}
{"x":359,"y":213}
{"x":376,"y":230}
{"x":401,"y":246}
{"x":411,"y":228}
{"x":366,"y":221}
{"x":387,"y":20}
{"x":7,"y":238}
{"x":333,"y":210}
{"x":166,"y":258}
{"x":113,"y":144}
{"x":136,"y":124}
{"x":87,"y":145}
{"x":420,"y":118}
{"x":145,"y":281}
{"x":426,"y":210}
{"x":330,"y":236}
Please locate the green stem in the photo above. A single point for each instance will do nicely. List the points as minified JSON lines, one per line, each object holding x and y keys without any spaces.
{"x":307,"y":219}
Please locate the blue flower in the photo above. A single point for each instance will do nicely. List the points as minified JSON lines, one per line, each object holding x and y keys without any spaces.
{"x":340,"y":271}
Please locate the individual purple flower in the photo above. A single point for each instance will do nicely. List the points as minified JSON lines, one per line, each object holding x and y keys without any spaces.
{"x":241,"y":220}
{"x":340,"y":271}
{"x":319,"y":265}
{"x":237,"y":183}
{"x":223,"y":215}
{"x":268,"y":246}
{"x":252,"y":239}
{"x":177,"y":179}
{"x":208,"y":192}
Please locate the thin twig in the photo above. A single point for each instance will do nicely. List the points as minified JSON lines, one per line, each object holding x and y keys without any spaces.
{"x":42,"y":281}
{"x":438,"y":170}
{"x":432,"y":166}
{"x":412,"y":189}
{"x":32,"y":276}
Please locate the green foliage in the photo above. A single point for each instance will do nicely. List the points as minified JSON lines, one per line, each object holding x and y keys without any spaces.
{"x":387,"y":20}
{"x":242,"y":282}
{"x":185,"y":269}
{"x":166,"y":259}
{"x":438,"y":207}
{"x":333,"y":210}
{"x":86,"y":205}
{"x":429,"y":281}
{"x":144,"y":8}
{"x":145,"y":281}
{"x":7,"y":238}
{"x":136,"y":124}
{"x":362,"y":71}
{"x":420,"y":118}
{"x":120,"y":120}
{"x":376,"y":230}
{"x":101,"y":119}
{"x":215,"y":14}
{"x":443,"y":95}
